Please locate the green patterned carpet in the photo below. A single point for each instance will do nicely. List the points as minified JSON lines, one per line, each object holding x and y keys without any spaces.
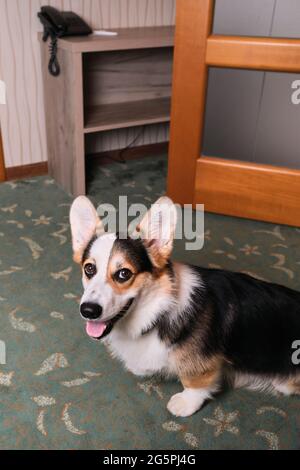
{"x":59,"y":389}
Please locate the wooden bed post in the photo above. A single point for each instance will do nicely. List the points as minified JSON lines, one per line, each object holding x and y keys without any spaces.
{"x":193,"y":26}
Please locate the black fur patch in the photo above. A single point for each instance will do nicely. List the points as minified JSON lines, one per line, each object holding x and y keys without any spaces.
{"x":135,"y":251}
{"x":176,"y":331}
{"x":251,"y":323}
{"x":87,"y":249}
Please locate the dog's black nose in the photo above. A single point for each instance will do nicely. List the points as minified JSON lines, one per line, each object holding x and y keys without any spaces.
{"x":90,"y":311}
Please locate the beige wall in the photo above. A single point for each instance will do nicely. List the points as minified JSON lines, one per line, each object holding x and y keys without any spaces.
{"x":22,"y":118}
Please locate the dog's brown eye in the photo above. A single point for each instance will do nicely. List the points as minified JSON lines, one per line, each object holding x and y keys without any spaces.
{"x":90,"y":270}
{"x":123,"y":275}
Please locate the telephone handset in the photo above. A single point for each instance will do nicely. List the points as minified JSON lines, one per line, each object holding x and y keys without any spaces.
{"x":57,"y":24}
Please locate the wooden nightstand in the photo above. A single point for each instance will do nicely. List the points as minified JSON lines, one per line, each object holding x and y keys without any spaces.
{"x":105,"y":83}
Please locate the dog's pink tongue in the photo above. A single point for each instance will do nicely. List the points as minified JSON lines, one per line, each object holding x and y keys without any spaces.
{"x":95,"y":328}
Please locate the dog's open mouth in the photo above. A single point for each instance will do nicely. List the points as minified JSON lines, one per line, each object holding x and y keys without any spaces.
{"x":99,"y":329}
{"x":96,"y":329}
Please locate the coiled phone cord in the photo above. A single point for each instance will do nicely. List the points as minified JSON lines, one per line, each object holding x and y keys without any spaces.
{"x":53,"y":66}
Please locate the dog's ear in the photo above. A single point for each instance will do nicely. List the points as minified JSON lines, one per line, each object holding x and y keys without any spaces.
{"x":157,"y":230}
{"x":85,"y":223}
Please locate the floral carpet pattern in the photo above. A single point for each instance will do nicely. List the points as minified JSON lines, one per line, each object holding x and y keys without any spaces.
{"x":59,"y":389}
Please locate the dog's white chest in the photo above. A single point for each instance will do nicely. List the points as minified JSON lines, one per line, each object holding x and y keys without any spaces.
{"x":145,"y":355}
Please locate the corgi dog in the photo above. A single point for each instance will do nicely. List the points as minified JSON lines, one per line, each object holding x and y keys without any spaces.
{"x":162,"y":317}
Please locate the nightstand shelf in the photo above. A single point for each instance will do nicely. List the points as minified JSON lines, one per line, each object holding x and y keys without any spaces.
{"x":128,"y":114}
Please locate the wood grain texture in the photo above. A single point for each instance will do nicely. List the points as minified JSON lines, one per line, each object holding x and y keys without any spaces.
{"x":248,"y":190}
{"x":133,"y":113}
{"x":193,"y":26}
{"x":23,"y":118}
{"x":122,"y":76}
{"x":127,"y":38}
{"x":2,"y":167}
{"x":254,"y":53}
{"x":64,"y":122}
{"x":106,"y":141}
{"x":27,"y":171}
{"x":132,"y":153}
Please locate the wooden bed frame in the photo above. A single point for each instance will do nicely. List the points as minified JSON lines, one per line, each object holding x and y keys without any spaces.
{"x":230,"y":187}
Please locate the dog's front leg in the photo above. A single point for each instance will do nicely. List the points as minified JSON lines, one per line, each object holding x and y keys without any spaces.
{"x":197,"y":389}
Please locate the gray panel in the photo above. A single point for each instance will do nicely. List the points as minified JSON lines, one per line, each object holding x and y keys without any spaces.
{"x":278,"y":136}
{"x":242,"y":17}
{"x":234,"y":126}
{"x":287,"y":19}
{"x":231,"y":113}
{"x":233,"y":95}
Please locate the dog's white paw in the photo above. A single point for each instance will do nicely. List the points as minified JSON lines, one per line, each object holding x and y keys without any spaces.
{"x":283,"y":388}
{"x":185,"y":404}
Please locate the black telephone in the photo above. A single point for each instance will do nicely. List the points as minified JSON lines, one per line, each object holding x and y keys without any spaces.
{"x":57,"y":24}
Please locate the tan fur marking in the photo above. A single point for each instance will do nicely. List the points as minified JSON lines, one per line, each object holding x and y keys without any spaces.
{"x":189,"y":361}
{"x":158,"y":256}
{"x":119,"y":261}
{"x":188,"y":358}
{"x":204,"y":380}
{"x":162,"y":277}
{"x":294,"y":385}
{"x":137,"y":281}
{"x":77,"y":257}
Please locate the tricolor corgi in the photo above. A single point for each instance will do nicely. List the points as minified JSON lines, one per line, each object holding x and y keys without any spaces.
{"x":162,"y":317}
